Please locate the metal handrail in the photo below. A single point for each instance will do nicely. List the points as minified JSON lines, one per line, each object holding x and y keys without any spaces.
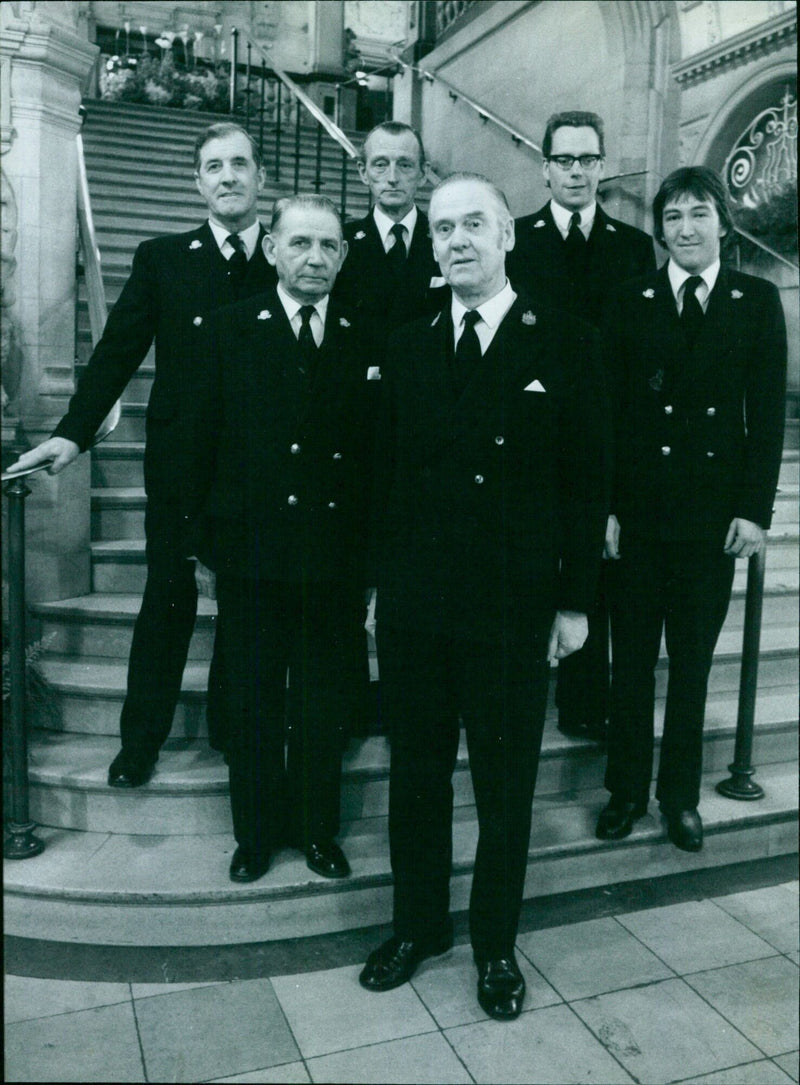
{"x":760,"y":245}
{"x":333,"y":129}
{"x":96,"y":297}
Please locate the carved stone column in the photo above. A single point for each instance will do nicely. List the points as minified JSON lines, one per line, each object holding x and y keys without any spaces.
{"x":45,"y":60}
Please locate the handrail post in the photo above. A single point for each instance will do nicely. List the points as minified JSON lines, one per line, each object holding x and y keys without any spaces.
{"x":21,"y":842}
{"x":278,"y":126}
{"x":234,"y":62}
{"x":740,"y":784}
{"x":297,"y":148}
{"x":344,"y":183}
{"x":247,"y":87}
{"x":261,"y":111}
{"x":318,"y":166}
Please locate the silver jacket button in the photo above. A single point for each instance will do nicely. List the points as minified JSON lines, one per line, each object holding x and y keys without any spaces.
{"x":337,"y":455}
{"x":711,"y":412}
{"x":331,"y":504}
{"x":499,"y":440}
{"x":479,"y":479}
{"x":294,"y":449}
{"x":709,"y":454}
{"x":665,"y":450}
{"x":668,"y":410}
{"x":292,"y":500}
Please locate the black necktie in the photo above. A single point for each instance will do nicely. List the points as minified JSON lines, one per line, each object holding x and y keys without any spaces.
{"x":237,"y":264}
{"x":306,"y":342}
{"x":692,"y":311}
{"x":468,"y":350}
{"x":575,"y":241}
{"x":397,"y":253}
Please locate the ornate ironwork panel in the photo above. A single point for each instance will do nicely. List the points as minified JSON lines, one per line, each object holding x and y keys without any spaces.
{"x":447,"y":11}
{"x":763,"y":162}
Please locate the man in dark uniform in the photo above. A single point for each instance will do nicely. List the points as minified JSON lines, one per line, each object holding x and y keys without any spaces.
{"x":569,"y":255}
{"x":493,"y":463}
{"x":280,"y":441}
{"x":390,"y":276}
{"x":175,"y":282}
{"x":698,"y":357}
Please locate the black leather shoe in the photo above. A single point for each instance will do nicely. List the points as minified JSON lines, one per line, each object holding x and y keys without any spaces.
{"x":327,"y":859}
{"x":129,"y":771}
{"x":617,"y":818}
{"x":396,"y":961}
{"x":684,"y":828}
{"x":246,"y":867}
{"x":501,"y":988}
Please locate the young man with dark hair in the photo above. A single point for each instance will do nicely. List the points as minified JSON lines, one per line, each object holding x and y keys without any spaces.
{"x":698,"y":364}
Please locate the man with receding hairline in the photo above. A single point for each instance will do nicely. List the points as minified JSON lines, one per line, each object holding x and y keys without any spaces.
{"x":175,"y":282}
{"x":279,"y":443}
{"x":492,"y":466}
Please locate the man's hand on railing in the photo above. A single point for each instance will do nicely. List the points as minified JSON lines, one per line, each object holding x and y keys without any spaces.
{"x":58,"y":449}
{"x":744,"y":538}
{"x":206,"y":580}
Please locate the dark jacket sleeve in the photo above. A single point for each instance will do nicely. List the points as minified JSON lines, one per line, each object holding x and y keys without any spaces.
{"x":765,"y":390}
{"x":584,"y":470}
{"x":126,"y":339}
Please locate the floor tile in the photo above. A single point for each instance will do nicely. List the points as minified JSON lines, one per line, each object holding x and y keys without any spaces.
{"x":423,"y":1060}
{"x":591,"y":958}
{"x":794,"y":957}
{"x":549,"y":1047}
{"x":789,"y":1063}
{"x":695,"y":936}
{"x":764,"y":1072}
{"x":90,"y":1045}
{"x":664,"y":1032}
{"x":328,"y":1011}
{"x":213,"y":1031}
{"x":289,"y":1074}
{"x":758,"y":997}
{"x":771,"y":913}
{"x":147,"y":990}
{"x":448,"y":987}
{"x":27,"y":997}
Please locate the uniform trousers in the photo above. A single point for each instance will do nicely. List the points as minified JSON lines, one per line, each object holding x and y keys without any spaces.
{"x":583,"y":683}
{"x":269,"y":629}
{"x":161,"y":636}
{"x":682,"y":588}
{"x":499,"y":690}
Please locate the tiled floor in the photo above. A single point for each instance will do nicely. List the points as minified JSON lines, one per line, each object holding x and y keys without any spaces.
{"x":703,"y":991}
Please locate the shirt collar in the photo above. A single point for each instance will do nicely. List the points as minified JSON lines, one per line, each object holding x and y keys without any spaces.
{"x":491,"y":311}
{"x":562,"y":216}
{"x":292,"y":306}
{"x":248,"y":236}
{"x":385,"y":224}
{"x":678,"y":276}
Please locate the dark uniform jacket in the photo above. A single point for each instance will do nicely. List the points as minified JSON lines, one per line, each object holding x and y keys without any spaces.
{"x":287,"y":479}
{"x":367,"y":285}
{"x":174,"y":283}
{"x":699,"y":431}
{"x":539,"y":262}
{"x":496,"y":500}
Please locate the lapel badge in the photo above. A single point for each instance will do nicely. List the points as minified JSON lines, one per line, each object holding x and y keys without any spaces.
{"x":196,"y":244}
{"x":737,"y":294}
{"x":538,"y":225}
{"x":435,"y":320}
{"x":529,"y":318}
{"x":657,"y":380}
{"x":359,"y":235}
{"x":610,"y":228}
{"x":343,"y":323}
{"x":649,"y":293}
{"x":198,"y":320}
{"x":265,"y":314}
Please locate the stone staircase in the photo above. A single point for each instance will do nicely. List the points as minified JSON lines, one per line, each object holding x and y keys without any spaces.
{"x":150,"y":866}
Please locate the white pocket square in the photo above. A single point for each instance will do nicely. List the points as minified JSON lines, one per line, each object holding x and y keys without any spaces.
{"x":374,"y":373}
{"x":534,"y":386}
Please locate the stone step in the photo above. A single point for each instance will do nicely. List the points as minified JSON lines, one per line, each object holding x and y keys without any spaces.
{"x":107,"y":146}
{"x":190,"y":785}
{"x":118,"y":512}
{"x":118,"y":465}
{"x":118,"y":889}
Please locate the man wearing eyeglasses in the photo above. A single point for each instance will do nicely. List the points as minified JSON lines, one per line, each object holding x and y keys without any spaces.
{"x":569,"y":255}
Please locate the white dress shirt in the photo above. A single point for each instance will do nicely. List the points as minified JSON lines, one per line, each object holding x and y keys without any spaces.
{"x":292,"y":309}
{"x":248,"y":236}
{"x":491,"y":314}
{"x":562,"y":218}
{"x":677,"y":280}
{"x":385,"y":224}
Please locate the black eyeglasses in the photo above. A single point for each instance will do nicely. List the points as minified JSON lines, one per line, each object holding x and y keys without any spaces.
{"x":567,"y":161}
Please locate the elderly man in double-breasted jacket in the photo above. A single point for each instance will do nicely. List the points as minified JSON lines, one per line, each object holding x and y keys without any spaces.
{"x":175,"y":282}
{"x":492,"y":472}
{"x":698,"y":362}
{"x":282,"y":440}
